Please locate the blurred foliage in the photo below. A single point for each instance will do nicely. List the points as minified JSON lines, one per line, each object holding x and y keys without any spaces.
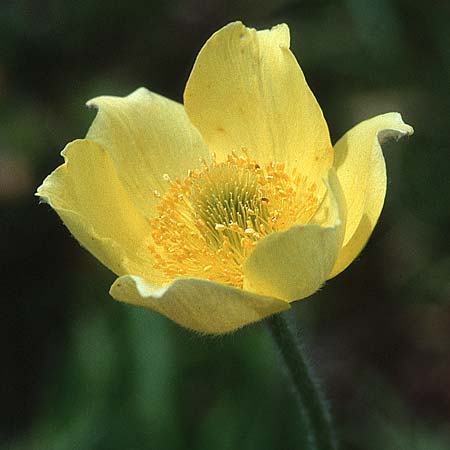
{"x":83,"y":372}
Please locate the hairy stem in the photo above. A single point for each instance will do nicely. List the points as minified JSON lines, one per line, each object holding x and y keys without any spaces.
{"x":314,"y":411}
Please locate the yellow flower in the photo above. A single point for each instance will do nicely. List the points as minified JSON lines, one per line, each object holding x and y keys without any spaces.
{"x":221,"y":212}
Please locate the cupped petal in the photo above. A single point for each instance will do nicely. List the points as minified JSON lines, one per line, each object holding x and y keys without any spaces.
{"x":199,"y":305}
{"x":88,"y":196}
{"x":148,"y":137}
{"x":293,"y":264}
{"x":361,"y":170}
{"x":246,"y":90}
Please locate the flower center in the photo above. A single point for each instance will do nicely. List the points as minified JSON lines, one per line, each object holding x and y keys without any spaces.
{"x":208,"y":223}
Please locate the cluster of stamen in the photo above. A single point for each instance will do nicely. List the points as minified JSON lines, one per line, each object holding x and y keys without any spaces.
{"x":208,"y":223}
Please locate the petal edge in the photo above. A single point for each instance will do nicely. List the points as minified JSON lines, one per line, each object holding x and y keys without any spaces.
{"x":88,"y":196}
{"x":199,"y":305}
{"x":246,"y":90}
{"x":147,"y":136}
{"x":293,"y":264}
{"x":361,"y":170}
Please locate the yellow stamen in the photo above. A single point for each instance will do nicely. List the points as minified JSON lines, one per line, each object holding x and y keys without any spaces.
{"x":209,"y":223}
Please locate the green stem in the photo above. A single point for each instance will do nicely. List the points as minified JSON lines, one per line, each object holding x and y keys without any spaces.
{"x":313,"y":407}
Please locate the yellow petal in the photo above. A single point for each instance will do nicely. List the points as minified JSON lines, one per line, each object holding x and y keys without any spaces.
{"x":147,"y":137}
{"x":361,"y":170}
{"x":247,"y":90}
{"x":200,"y":305}
{"x":293,"y":264}
{"x":88,"y":196}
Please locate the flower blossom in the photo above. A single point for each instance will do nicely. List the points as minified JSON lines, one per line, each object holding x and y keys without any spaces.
{"x":224,"y":210}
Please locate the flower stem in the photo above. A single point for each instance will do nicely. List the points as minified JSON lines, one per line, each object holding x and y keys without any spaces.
{"x":313,"y":407}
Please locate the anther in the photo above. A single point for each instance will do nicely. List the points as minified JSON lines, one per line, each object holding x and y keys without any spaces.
{"x":207,"y":224}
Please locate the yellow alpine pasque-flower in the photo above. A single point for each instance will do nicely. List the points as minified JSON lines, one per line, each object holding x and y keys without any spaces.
{"x":221,"y":212}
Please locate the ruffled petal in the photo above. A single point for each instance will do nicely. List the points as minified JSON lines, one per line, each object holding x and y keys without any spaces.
{"x":361,"y":170}
{"x":148,"y":136}
{"x":199,"y":305}
{"x":293,"y":264}
{"x":246,"y":90}
{"x":88,"y":196}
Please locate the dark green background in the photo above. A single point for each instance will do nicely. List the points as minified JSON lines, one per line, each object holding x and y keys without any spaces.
{"x":83,"y":372}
